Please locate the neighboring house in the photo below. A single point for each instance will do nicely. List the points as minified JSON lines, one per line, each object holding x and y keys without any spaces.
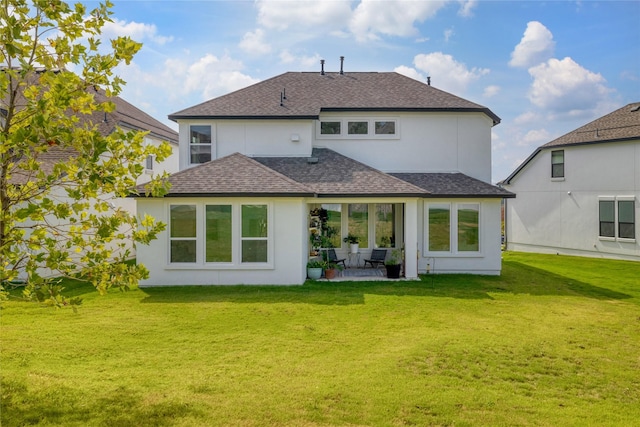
{"x":267,"y":168}
{"x":578,"y":194}
{"x":124,"y":116}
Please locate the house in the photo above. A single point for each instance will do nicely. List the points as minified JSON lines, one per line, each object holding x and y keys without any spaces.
{"x":124,"y":116}
{"x":269,"y":170}
{"x":578,"y":194}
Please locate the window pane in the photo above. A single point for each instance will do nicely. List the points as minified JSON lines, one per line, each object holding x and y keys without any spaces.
{"x":200,"y":134}
{"x":183,"y":251}
{"x":607,"y":218}
{"x":557,"y":164}
{"x":358,"y":128}
{"x":149,"y":162}
{"x":218,"y":233}
{"x":385,"y":225}
{"x":254,"y":251}
{"x":468,"y":227}
{"x":200,"y":153}
{"x":439,"y":226}
{"x":183,"y":221}
{"x":626,"y":219}
{"x":385,"y":128}
{"x":359,"y":223}
{"x":330,"y":128}
{"x":334,"y":224}
{"x":254,"y":221}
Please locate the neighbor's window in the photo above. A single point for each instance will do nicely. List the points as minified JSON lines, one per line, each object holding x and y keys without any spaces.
{"x":183,"y":233}
{"x":148,"y":164}
{"x":199,"y":143}
{"x":439,"y":228}
{"x":358,"y":128}
{"x":254,"y":233}
{"x":607,"y":218}
{"x":557,"y":164}
{"x":626,"y":219}
{"x":385,"y":128}
{"x":333,"y":224}
{"x":358,"y":222}
{"x":218,"y":223}
{"x":330,"y":128}
{"x":468,"y":227}
{"x":385,"y":225}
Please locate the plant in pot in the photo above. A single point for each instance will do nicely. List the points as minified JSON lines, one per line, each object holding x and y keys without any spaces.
{"x":353,"y":241}
{"x":331,"y":270}
{"x":314,"y":269}
{"x":393,"y":264}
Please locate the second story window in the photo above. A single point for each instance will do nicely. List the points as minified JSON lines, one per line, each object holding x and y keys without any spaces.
{"x":148,"y":164}
{"x":358,"y":128}
{"x":330,"y":128}
{"x":557,"y":164}
{"x":199,"y":143}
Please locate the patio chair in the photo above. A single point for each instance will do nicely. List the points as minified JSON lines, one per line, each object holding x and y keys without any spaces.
{"x":377,"y":258}
{"x":331,"y":253}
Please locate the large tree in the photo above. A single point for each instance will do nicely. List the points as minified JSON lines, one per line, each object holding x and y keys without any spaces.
{"x":58,"y":170}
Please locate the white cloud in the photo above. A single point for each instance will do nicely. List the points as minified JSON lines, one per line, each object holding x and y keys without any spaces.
{"x":448,"y":33}
{"x":301,"y":15}
{"x":527,"y":117}
{"x":445,"y":72}
{"x":139,"y":32}
{"x":391,"y":18}
{"x":253,"y":43}
{"x":466,"y":8}
{"x":491,"y":91}
{"x":410,"y":72}
{"x":536,"y":46}
{"x":535,"y":137}
{"x":305,"y":62}
{"x":563,"y":86}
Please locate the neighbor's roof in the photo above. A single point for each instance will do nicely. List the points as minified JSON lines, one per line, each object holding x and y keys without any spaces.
{"x":620,"y":125}
{"x":453,"y":185}
{"x":304,"y":95}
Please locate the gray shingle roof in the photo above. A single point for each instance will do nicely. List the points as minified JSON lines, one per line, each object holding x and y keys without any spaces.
{"x":453,"y":185}
{"x":335,"y":175}
{"x":234,"y":175}
{"x":307,"y":94}
{"x":622,"y":124}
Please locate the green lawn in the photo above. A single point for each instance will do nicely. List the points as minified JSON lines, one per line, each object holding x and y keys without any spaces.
{"x":554,"y":341}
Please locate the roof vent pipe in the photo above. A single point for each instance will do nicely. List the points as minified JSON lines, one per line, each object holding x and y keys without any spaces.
{"x":428,"y":81}
{"x":341,"y":64}
{"x":322,"y":67}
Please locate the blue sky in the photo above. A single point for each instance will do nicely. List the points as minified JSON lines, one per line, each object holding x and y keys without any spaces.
{"x":544,"y":67}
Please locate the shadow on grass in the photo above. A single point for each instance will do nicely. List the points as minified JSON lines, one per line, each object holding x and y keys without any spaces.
{"x":517,"y":278}
{"x":61,"y":405}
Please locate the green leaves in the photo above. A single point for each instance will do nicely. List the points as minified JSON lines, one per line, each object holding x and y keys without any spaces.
{"x":59,"y":167}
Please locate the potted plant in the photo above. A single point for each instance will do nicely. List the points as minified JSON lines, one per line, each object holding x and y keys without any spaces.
{"x":354,"y":242}
{"x":331,"y":269}
{"x":393,"y":264}
{"x":314,"y":269}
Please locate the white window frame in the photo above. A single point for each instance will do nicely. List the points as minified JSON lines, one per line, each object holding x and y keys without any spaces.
{"x":236,"y":233}
{"x":616,"y":200}
{"x":190,"y":142}
{"x":344,"y":128}
{"x":453,"y":229}
{"x":171,"y":239}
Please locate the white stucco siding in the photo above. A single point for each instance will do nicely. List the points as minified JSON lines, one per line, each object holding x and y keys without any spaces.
{"x":488,"y":260}
{"x":561,"y":215}
{"x":251,"y":137}
{"x":287,"y":247}
{"x":424,"y":142}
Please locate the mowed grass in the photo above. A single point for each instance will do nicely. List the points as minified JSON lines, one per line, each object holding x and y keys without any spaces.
{"x":554,"y":341}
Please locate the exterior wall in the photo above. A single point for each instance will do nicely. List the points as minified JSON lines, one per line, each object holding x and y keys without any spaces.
{"x":487,"y":261}
{"x":251,"y":137}
{"x":288,"y":250}
{"x":424,"y":142}
{"x":562,"y":215}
